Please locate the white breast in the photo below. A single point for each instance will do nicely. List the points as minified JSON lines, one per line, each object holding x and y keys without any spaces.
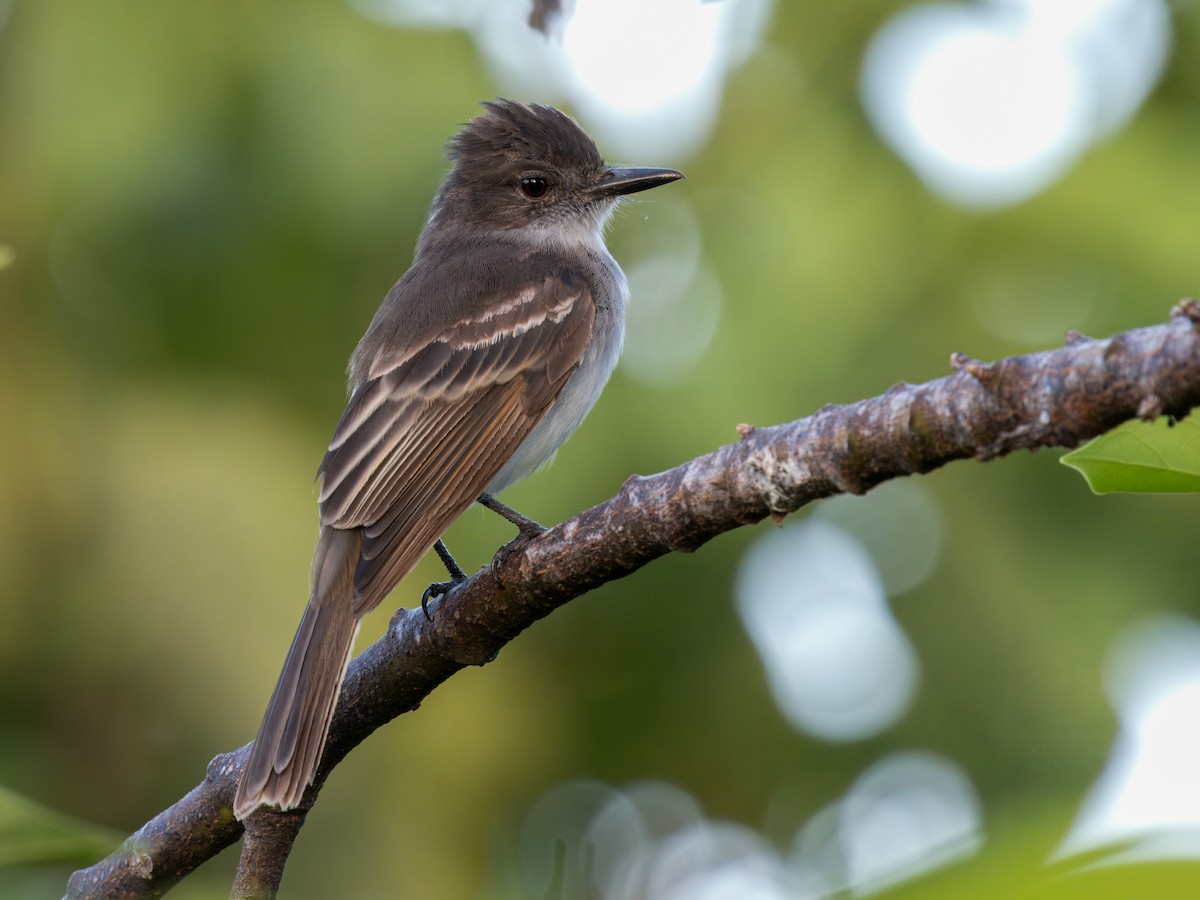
{"x":583,"y":388}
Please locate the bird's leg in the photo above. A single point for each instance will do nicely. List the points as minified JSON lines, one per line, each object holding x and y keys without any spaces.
{"x":438,"y":588}
{"x":456,"y":574}
{"x":529,"y":529}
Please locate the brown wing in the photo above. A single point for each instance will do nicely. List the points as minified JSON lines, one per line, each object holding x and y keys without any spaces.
{"x":419,"y":442}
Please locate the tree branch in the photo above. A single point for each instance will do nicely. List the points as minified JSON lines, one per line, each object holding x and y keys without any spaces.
{"x":1057,"y":398}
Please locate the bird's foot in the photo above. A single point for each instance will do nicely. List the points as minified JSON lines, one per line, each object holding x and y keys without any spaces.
{"x":439,"y":588}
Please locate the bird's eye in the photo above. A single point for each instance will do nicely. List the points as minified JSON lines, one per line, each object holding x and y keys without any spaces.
{"x":534,"y":187}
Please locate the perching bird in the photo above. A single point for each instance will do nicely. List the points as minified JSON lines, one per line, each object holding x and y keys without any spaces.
{"x":480,"y":362}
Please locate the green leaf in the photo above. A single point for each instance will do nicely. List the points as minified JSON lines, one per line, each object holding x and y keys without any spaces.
{"x":7,"y":256}
{"x":34,"y":834}
{"x":1142,"y":458}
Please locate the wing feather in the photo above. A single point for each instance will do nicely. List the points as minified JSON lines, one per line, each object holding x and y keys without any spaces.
{"x":413,"y":533}
{"x":421,"y":440}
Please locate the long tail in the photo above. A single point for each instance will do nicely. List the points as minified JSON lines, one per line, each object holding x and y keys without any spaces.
{"x":284,"y":757}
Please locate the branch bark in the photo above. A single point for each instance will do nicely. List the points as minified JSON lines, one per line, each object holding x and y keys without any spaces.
{"x":1057,"y":398}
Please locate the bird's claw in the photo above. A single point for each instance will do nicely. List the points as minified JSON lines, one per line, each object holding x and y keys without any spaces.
{"x":438,"y":589}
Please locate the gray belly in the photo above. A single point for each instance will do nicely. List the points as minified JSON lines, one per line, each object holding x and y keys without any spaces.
{"x":580,"y":393}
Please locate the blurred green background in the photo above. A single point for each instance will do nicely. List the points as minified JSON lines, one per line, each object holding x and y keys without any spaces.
{"x":203,"y":205}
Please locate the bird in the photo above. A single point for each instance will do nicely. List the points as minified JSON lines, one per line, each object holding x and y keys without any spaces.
{"x":480,"y":362}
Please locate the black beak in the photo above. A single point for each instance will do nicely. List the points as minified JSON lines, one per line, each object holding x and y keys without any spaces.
{"x":620,"y":181}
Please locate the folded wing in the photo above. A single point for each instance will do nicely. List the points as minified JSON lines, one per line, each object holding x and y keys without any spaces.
{"x":419,"y":441}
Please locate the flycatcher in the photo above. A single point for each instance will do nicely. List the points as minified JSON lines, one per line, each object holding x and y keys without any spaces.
{"x":480,"y":362}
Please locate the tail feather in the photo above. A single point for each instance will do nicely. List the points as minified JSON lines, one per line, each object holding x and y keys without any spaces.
{"x":283,"y":759}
